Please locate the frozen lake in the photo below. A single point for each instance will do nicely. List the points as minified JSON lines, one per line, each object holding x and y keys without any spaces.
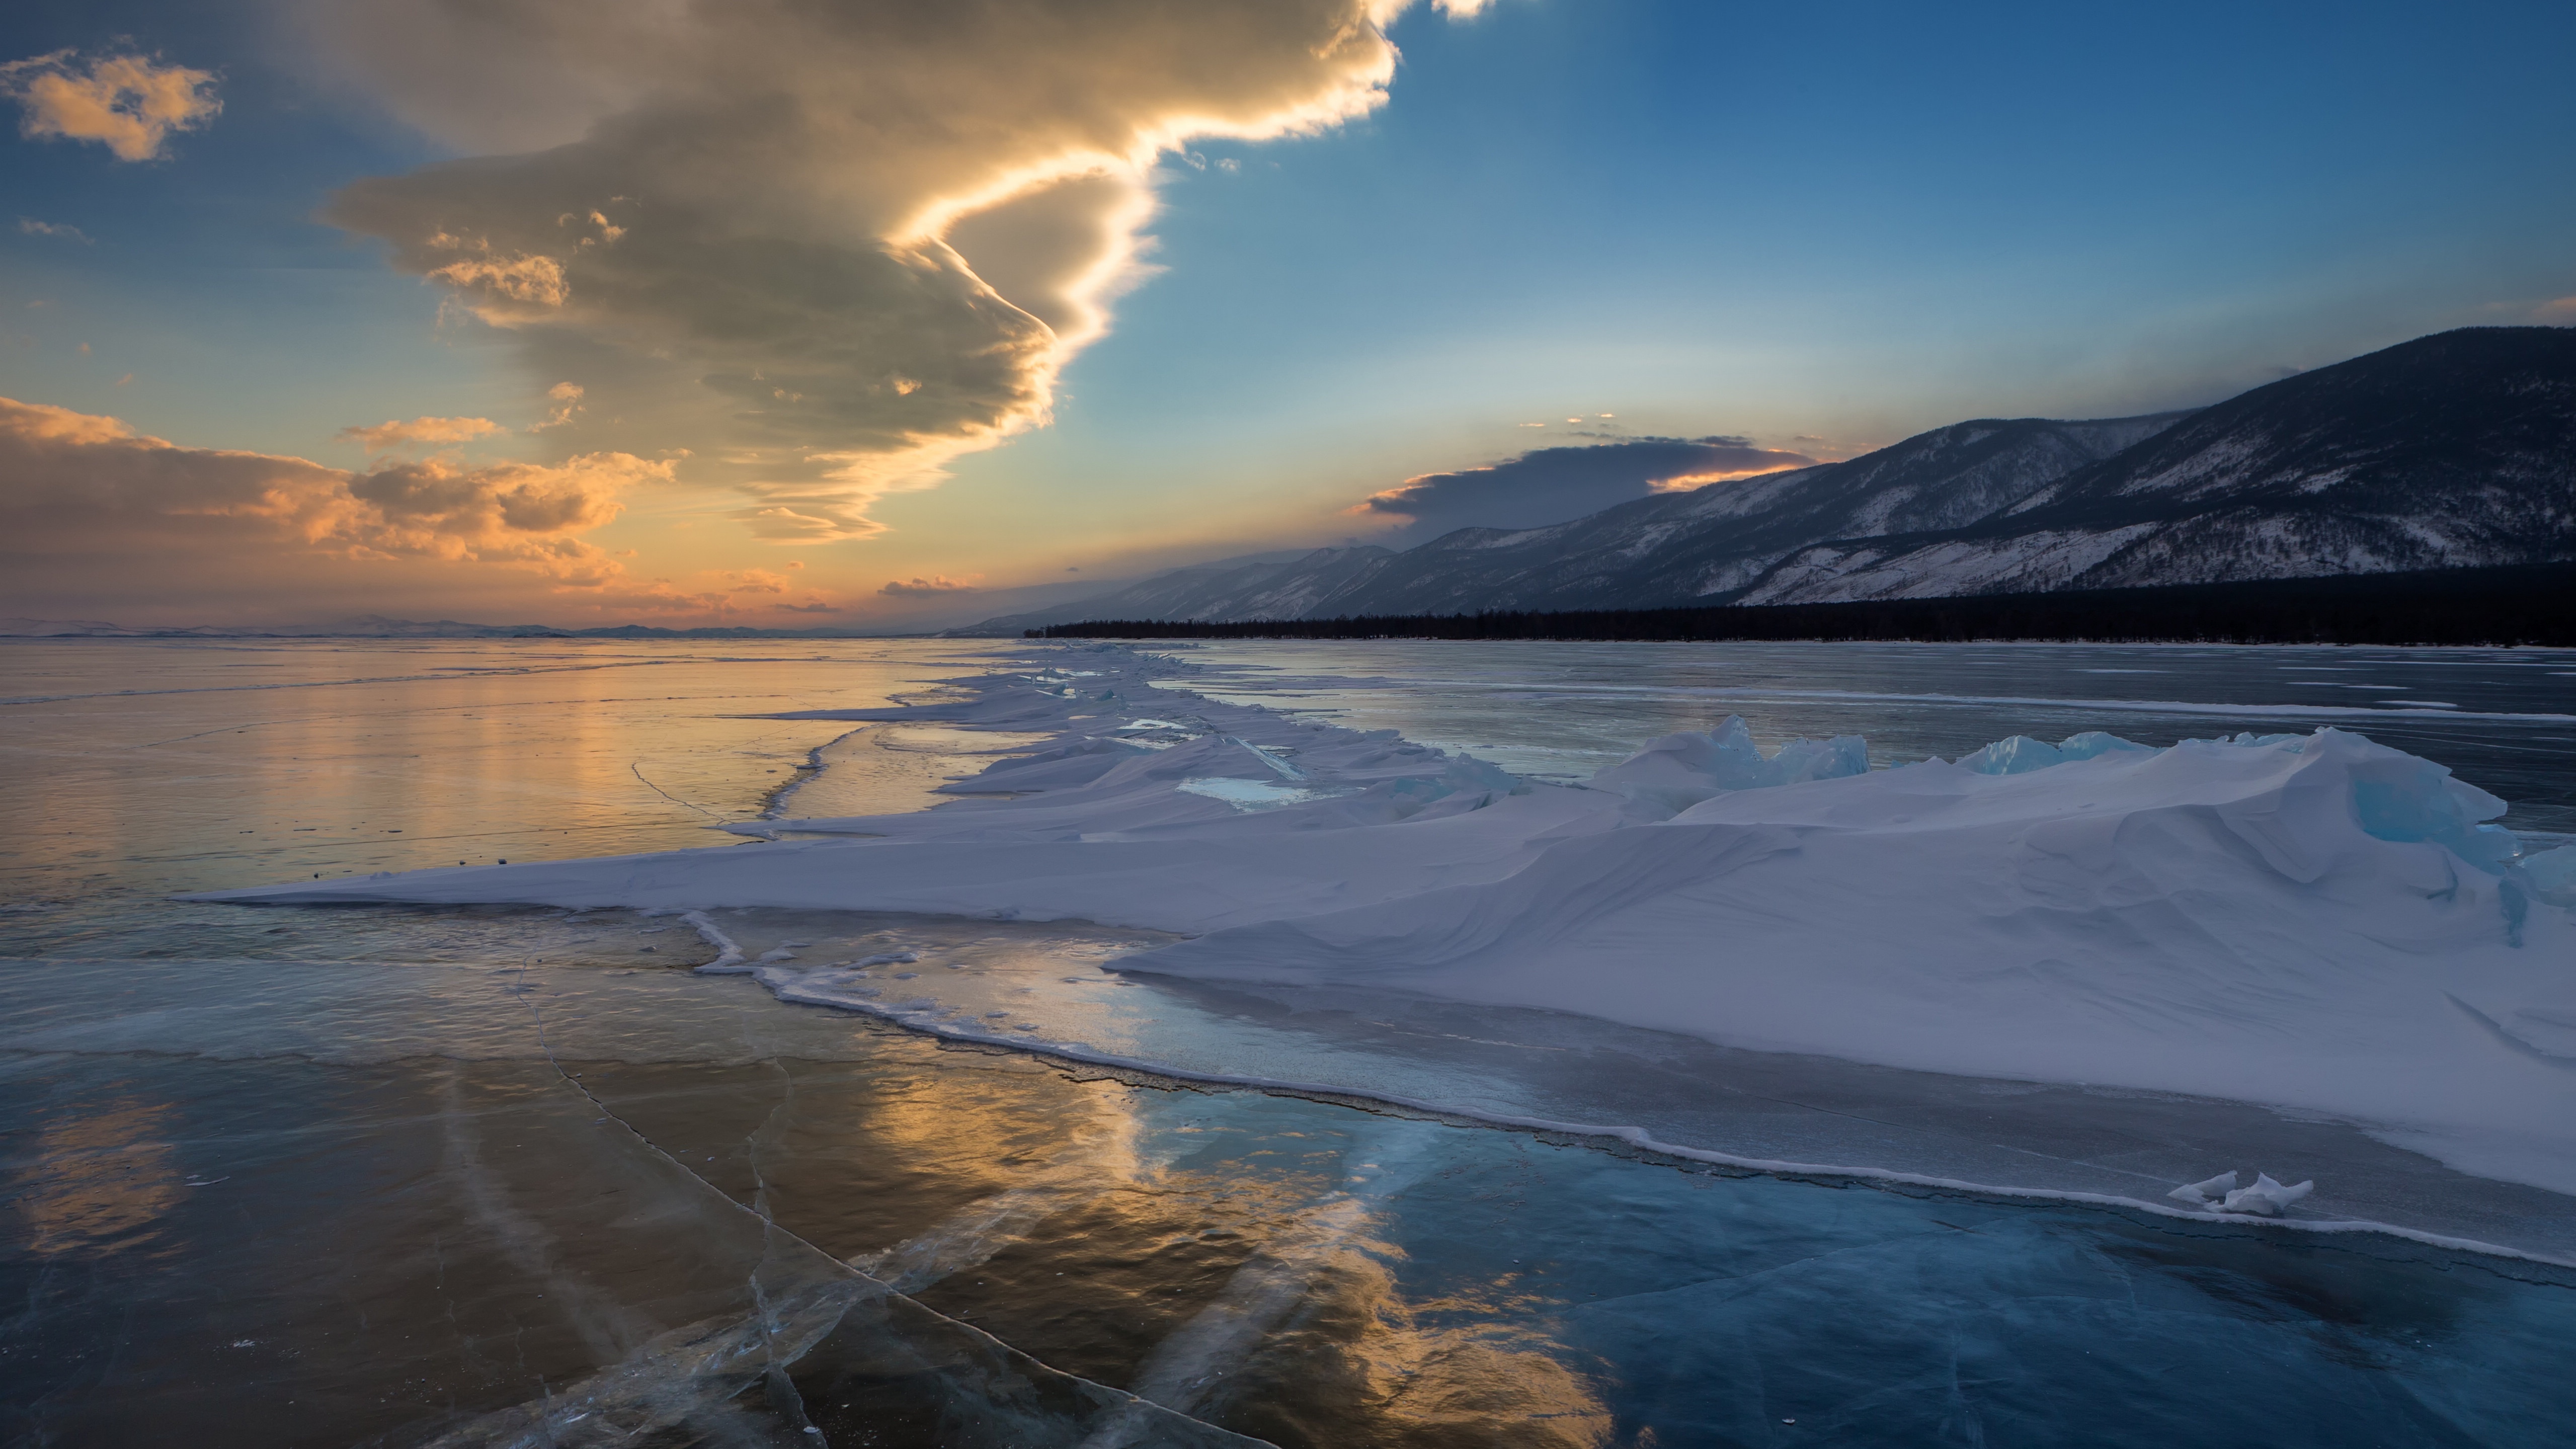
{"x":318,"y":1175}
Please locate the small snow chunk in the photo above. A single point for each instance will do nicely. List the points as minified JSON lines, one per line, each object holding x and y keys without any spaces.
{"x":2207,"y":1189}
{"x":890,"y":958}
{"x":2265,"y":1198}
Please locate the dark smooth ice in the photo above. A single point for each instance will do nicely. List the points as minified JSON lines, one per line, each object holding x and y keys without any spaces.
{"x":239,"y":1221}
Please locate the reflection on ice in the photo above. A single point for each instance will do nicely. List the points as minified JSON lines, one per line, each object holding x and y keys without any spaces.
{"x":2245,"y":919}
{"x":99,"y":1175}
{"x":578,"y":1199}
{"x":495,"y":1174}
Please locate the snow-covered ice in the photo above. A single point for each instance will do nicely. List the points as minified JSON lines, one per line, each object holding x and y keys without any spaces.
{"x":2313,"y":922}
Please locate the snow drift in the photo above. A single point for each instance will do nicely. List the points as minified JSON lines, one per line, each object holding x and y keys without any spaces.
{"x":2314,"y":922}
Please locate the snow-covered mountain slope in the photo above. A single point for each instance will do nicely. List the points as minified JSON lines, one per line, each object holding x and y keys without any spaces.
{"x":2452,"y":451}
{"x":1938,"y":480}
{"x":1671,"y":548}
{"x":1286,"y":585}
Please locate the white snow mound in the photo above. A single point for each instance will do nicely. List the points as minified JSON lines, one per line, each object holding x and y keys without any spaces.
{"x":2313,"y":921}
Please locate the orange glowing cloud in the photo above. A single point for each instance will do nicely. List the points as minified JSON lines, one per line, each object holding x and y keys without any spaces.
{"x":392,"y":434}
{"x":126,"y":103}
{"x":90,"y":496}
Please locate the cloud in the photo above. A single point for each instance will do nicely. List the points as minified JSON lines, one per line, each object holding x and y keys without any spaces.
{"x":127,"y":103}
{"x":2561,"y":312}
{"x":94,"y":506}
{"x":828,"y":248}
{"x":717,"y":593}
{"x":392,"y":434}
{"x":564,"y":402}
{"x":929,"y":588}
{"x":32,"y":227}
{"x":1551,"y":485}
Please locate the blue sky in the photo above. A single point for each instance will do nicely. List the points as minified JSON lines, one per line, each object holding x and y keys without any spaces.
{"x":1820,"y":228}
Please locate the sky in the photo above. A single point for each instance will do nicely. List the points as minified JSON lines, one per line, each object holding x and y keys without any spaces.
{"x":883,"y":315}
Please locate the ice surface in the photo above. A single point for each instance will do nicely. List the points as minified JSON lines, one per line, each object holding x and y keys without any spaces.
{"x":2286,"y":920}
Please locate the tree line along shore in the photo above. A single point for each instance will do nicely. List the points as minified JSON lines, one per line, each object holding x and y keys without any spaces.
{"x":2525,"y":604}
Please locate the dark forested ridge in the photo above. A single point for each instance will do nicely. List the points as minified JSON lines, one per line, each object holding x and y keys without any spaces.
{"x":2531,"y":604}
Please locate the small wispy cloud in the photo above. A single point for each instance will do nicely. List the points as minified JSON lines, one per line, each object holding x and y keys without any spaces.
{"x":564,"y":400}
{"x":392,"y":433}
{"x":929,"y":588}
{"x":32,"y":227}
{"x":130,"y":104}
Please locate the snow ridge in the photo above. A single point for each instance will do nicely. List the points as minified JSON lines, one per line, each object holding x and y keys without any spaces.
{"x":2287,"y":920}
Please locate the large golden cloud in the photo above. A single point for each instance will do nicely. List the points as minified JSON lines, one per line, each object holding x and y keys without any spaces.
{"x":824,"y":244}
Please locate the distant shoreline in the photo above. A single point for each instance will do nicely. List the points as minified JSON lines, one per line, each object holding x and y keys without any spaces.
{"x":2522,"y":604}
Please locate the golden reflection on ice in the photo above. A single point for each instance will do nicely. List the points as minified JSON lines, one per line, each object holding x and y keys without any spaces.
{"x":1321,"y":1297}
{"x":1015,"y":1162}
{"x":1285,"y":1274}
{"x":98,"y":1178}
{"x":257,"y":762}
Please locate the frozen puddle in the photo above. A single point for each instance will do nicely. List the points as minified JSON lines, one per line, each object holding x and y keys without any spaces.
{"x":2043,"y":967}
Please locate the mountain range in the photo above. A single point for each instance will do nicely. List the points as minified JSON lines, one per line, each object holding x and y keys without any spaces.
{"x":2454,"y":450}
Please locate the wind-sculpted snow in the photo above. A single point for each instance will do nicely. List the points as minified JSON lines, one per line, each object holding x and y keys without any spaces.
{"x":2313,"y":922}
{"x":2274,"y":920}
